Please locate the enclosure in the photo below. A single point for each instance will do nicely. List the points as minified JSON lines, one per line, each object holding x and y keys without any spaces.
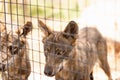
{"x":102,"y":14}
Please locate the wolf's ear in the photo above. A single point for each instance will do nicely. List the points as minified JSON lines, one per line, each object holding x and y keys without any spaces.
{"x":71,"y":31}
{"x":25,"y":29}
{"x":44,"y":28}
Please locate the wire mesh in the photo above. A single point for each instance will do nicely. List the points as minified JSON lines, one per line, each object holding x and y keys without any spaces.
{"x":57,"y":14}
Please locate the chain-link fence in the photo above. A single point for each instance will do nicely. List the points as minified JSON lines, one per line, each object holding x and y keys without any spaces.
{"x":14,"y":17}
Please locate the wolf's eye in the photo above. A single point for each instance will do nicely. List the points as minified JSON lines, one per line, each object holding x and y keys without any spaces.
{"x":59,"y":52}
{"x":63,"y":52}
{"x":13,"y":50}
{"x":47,"y":49}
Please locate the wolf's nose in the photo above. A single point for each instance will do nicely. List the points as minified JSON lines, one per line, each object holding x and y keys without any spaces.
{"x":48,"y":71}
{"x":2,"y":67}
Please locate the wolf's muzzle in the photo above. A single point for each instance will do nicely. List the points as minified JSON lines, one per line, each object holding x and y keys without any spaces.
{"x":48,"y":71}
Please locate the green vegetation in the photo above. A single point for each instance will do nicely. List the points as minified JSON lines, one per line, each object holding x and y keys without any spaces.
{"x":45,"y":9}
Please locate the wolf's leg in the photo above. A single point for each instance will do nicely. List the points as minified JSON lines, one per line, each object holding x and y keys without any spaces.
{"x":102,"y":55}
{"x":91,"y":76}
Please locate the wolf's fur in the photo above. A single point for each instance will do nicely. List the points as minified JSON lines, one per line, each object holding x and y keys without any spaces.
{"x":72,"y":54}
{"x":14,"y":62}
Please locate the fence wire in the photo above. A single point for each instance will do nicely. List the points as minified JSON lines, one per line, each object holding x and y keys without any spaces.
{"x":14,"y":14}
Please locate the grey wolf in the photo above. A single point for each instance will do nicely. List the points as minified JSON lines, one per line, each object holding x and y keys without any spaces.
{"x":71,"y":54}
{"x":14,"y":59}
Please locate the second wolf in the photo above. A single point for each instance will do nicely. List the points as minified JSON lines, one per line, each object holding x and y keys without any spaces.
{"x":14,"y":57}
{"x":72,"y":54}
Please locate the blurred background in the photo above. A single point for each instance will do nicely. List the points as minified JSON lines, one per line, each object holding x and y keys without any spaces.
{"x":102,"y":14}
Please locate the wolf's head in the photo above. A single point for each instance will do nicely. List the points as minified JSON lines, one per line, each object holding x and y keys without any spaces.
{"x":13,"y":42}
{"x":58,"y":46}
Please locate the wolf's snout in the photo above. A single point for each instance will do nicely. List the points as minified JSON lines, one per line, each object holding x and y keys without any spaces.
{"x":2,"y":67}
{"x":48,"y":71}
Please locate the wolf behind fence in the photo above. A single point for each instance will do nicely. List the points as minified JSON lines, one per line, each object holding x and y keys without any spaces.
{"x":72,"y":54}
{"x":14,"y":59}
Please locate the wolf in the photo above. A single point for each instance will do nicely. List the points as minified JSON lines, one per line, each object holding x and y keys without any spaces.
{"x":71,"y":54}
{"x":14,"y":58}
